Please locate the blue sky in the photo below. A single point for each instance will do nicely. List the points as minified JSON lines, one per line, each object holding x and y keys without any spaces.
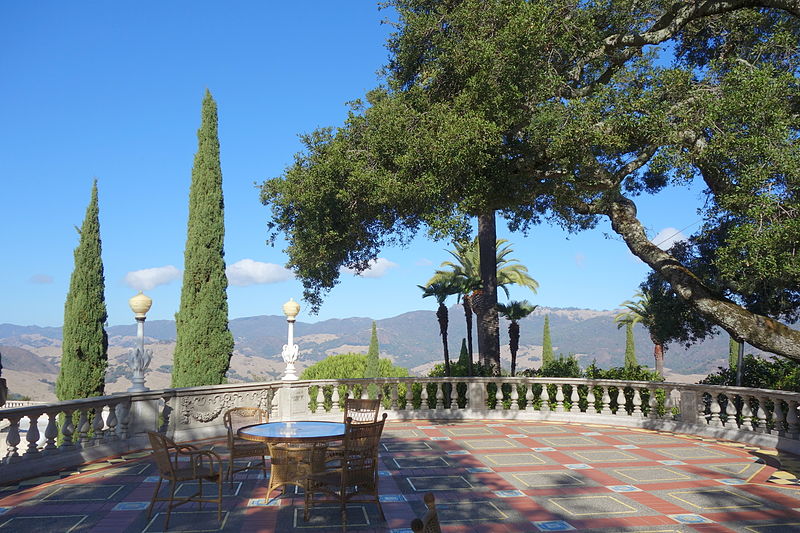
{"x":113,"y":90}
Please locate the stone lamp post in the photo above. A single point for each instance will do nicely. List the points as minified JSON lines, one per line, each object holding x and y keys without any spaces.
{"x":290,"y":350}
{"x":139,"y":358}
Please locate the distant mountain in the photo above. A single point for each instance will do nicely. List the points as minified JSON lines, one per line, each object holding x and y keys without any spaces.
{"x":410,"y":340}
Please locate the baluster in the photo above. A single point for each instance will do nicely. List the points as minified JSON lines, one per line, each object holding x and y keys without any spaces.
{"x":748,"y":420}
{"x":32,"y":436}
{"x":637,"y":402}
{"x":574,"y":399}
{"x":591,"y":408}
{"x":320,"y":400}
{"x":715,"y":410}
{"x":97,"y":425}
{"x":669,"y":404}
{"x":792,"y":422}
{"x":622,"y":407}
{"x":731,"y":412}
{"x":545,"y":399}
{"x":423,"y":404}
{"x":606,"y":399}
{"x":764,"y":412}
{"x":409,"y":396}
{"x":123,"y":414}
{"x":439,"y":396}
{"x":514,"y":397}
{"x":83,"y":428}
{"x":529,"y":397}
{"x":50,"y":433}
{"x":335,"y":405}
{"x":394,"y":404}
{"x":364,"y":392}
{"x":778,"y":414}
{"x":111,"y":422}
{"x":652,"y":403}
{"x":12,"y":440}
{"x":559,"y":398}
{"x":273,"y":404}
{"x":498,"y":396}
{"x":759,"y":416}
{"x":67,"y":430}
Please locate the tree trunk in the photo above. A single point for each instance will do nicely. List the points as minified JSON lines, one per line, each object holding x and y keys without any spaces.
{"x":488,"y":321}
{"x":658,"y":353}
{"x":757,"y":330}
{"x":468,"y":317}
{"x":513,"y":345}
{"x":441,"y":314}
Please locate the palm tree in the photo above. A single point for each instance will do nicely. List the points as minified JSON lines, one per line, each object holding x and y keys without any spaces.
{"x":515,"y":311}
{"x":466,"y":269}
{"x":641,"y":311}
{"x":441,"y":290}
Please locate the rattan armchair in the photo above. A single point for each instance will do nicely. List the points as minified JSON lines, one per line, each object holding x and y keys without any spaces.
{"x":429,"y":523}
{"x":292,"y":463}
{"x":235,"y":419}
{"x":358,"y":411}
{"x":355,"y":473}
{"x":182,"y":462}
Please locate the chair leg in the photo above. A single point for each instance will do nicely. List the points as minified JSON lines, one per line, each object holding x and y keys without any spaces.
{"x":153,"y":499}
{"x":200,"y":493}
{"x":172,"y":486}
{"x":219,"y":498}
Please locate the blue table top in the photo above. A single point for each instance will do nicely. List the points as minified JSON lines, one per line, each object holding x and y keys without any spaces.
{"x":291,"y":431}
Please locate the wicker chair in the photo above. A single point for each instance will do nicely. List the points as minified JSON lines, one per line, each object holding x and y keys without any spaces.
{"x":293,"y":463}
{"x":199,"y":465}
{"x":355,"y":473}
{"x":359,"y":411}
{"x":235,"y":419}
{"x":362,"y":411}
{"x":429,"y":523}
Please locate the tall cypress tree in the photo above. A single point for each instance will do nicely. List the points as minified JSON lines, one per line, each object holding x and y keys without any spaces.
{"x":547,"y":344}
{"x":204,"y":343}
{"x":84,"y":347}
{"x":630,"y":348}
{"x":372,"y":368}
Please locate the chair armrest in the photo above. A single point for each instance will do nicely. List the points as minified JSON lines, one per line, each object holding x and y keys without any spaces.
{"x":197,"y":458}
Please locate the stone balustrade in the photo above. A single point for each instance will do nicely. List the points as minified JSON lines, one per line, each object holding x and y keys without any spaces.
{"x":78,"y":431}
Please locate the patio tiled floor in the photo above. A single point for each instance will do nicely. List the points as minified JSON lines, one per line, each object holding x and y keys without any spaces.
{"x":487,"y":477}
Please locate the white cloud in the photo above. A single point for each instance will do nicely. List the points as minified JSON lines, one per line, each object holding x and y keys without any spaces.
{"x":377,"y":269}
{"x":424,"y":262}
{"x":150,"y":278}
{"x":248,"y":272}
{"x":41,"y":279}
{"x":667,"y":237}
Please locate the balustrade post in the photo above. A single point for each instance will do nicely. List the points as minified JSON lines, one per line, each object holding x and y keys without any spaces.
{"x":12,"y":441}
{"x":715,"y":410}
{"x":123,"y":411}
{"x":778,"y":414}
{"x":748,"y":420}
{"x":50,"y":432}
{"x":394,"y":397}
{"x":544,"y":397}
{"x":83,"y":428}
{"x":669,"y":403}
{"x":762,"y":415}
{"x":652,"y":403}
{"x":320,"y":400}
{"x":97,"y":426}
{"x":731,"y":412}
{"x":335,"y":407}
{"x":498,"y":396}
{"x":622,"y":402}
{"x":67,"y":431}
{"x":574,"y":399}
{"x":423,"y":397}
{"x":637,"y":403}
{"x":529,"y":397}
{"x":32,"y":437}
{"x":514,"y":397}
{"x":606,"y":399}
{"x":409,"y":396}
{"x":591,"y":408}
{"x":559,"y":398}
{"x":439,"y":396}
{"x":792,"y":422}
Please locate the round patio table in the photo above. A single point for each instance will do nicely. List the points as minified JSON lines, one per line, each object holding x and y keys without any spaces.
{"x":297,"y":449}
{"x":307,"y":431}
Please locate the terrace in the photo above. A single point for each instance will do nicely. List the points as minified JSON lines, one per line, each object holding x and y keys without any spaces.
{"x":501,"y":454}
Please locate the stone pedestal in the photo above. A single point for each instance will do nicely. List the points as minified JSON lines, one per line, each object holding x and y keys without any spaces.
{"x":688,"y":406}
{"x":144,"y":416}
{"x":293,"y":403}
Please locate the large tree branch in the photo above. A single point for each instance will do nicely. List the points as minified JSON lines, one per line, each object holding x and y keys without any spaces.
{"x":760,"y":331}
{"x":621,"y":47}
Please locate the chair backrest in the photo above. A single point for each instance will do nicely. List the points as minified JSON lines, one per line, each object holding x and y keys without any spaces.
{"x":161,"y":452}
{"x":430,"y":520}
{"x":239,"y":417}
{"x":362,"y":411}
{"x":360,"y":460}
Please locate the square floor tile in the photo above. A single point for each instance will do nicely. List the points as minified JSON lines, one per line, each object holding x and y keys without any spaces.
{"x":690,"y":519}
{"x":578,"y":466}
{"x":509,"y":493}
{"x":592,"y":505}
{"x":624,"y":488}
{"x":553,"y":525}
{"x":131,"y":506}
{"x":547,"y":479}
